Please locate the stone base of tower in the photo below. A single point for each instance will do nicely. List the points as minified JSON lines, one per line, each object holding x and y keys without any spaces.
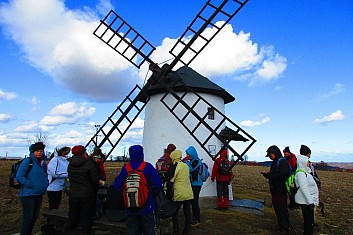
{"x":208,"y":202}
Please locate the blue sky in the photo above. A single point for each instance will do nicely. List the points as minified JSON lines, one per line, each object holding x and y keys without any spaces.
{"x":288,"y":63}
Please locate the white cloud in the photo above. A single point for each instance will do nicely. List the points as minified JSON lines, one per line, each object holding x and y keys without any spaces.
{"x":35,"y":103}
{"x":32,"y":127}
{"x":228,"y":53}
{"x":7,"y":95}
{"x":67,"y":113}
{"x":70,"y":138}
{"x":337,"y":89}
{"x":249,"y":123}
{"x":79,"y":61}
{"x":5,"y":117}
{"x":335,"y":116}
{"x":70,"y":53}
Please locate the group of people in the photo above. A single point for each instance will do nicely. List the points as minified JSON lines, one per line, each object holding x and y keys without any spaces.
{"x":307,"y":196}
{"x":85,"y":173}
{"x":181,"y":181}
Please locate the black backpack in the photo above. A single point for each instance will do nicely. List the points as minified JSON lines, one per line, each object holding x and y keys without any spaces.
{"x":12,"y":180}
{"x":224,"y":167}
{"x":165,"y":208}
{"x":114,"y":205}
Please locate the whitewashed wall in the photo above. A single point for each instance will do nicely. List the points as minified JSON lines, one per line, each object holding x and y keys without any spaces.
{"x":162,"y":128}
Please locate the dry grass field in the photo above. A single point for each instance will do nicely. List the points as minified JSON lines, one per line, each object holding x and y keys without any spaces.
{"x":336,"y":193}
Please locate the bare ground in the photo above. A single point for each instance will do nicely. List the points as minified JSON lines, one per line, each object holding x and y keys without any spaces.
{"x":336,"y":194}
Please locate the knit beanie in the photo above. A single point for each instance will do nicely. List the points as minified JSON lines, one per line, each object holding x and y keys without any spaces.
{"x":78,"y":150}
{"x":304,"y":150}
{"x":38,"y":146}
{"x":286,"y":150}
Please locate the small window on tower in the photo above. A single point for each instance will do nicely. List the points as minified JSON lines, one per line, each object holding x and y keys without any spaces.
{"x":211,"y":113}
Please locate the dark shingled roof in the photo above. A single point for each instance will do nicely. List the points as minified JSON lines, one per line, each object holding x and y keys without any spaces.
{"x":194,"y":80}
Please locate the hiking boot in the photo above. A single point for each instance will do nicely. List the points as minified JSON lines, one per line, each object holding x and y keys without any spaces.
{"x":195,"y":222}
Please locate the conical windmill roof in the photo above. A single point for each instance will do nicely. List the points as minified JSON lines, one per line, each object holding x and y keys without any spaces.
{"x":192,"y":79}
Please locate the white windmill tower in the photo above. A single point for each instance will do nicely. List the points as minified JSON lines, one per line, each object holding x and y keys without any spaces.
{"x":162,"y":128}
{"x":187,"y":96}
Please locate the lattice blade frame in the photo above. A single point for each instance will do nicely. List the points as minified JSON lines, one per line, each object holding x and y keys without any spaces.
{"x":122,"y":38}
{"x":120,"y":121}
{"x":193,"y":41}
{"x":194,"y":123}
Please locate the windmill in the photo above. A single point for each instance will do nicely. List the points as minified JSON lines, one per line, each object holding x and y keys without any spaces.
{"x":125,"y":40}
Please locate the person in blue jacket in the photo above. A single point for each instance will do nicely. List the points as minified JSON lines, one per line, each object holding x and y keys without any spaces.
{"x":196,"y":183}
{"x":140,"y":220}
{"x":35,"y":184}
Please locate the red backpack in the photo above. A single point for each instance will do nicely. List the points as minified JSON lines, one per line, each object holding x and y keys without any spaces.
{"x":135,"y":189}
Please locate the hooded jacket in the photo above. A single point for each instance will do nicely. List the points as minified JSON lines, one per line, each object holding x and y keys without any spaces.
{"x":194,"y":166}
{"x":181,"y":179}
{"x":36,"y":182}
{"x":151,"y":175}
{"x":83,"y":176}
{"x":223,"y":156}
{"x":57,"y":172}
{"x":278,"y":173}
{"x":308,"y":192}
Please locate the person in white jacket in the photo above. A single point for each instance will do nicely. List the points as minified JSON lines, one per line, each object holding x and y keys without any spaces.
{"x":307,"y":195}
{"x":57,"y":172}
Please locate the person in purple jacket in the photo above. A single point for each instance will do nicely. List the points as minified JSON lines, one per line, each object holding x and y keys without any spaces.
{"x":140,"y":220}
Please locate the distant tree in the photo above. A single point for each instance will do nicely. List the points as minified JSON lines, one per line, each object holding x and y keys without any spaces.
{"x":40,"y":137}
{"x":246,"y":157}
{"x":322,"y":166}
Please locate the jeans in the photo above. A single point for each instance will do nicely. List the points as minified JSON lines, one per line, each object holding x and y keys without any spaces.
{"x":30,"y":212}
{"x":141,"y":224}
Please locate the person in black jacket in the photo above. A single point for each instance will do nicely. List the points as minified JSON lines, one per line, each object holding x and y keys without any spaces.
{"x":84,"y":183}
{"x":277,"y":176}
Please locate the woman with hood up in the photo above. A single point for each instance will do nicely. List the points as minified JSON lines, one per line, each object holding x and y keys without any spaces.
{"x":182,"y":191}
{"x":222,"y":180}
{"x":35,"y":184}
{"x":195,"y":165}
{"x":140,"y":220}
{"x":307,"y":195}
{"x":57,"y":172}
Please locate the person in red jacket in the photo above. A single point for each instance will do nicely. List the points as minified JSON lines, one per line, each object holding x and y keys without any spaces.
{"x":291,"y":158}
{"x":222,"y":173}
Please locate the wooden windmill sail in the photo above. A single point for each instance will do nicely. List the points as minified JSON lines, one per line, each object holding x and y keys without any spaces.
{"x":125,"y":40}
